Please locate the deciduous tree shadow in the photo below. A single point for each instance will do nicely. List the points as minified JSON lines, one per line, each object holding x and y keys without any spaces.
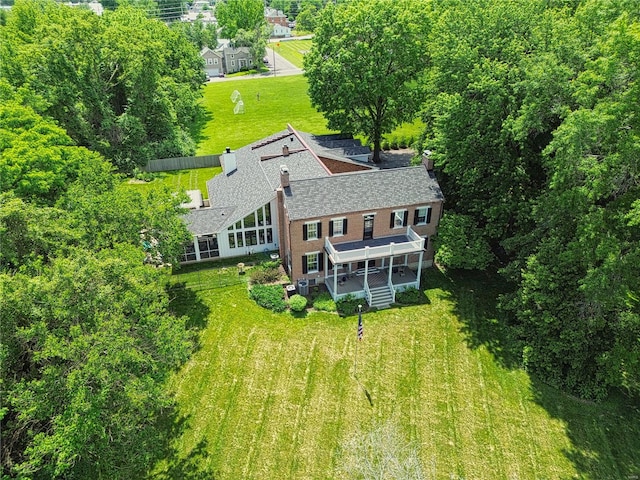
{"x":197,"y":127}
{"x":173,"y":465}
{"x":184,"y":301}
{"x":475,"y":297}
{"x":605,"y":437}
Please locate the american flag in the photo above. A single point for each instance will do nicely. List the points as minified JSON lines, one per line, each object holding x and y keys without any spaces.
{"x":360,"y":326}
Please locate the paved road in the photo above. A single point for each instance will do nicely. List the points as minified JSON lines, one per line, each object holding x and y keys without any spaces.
{"x":282,"y":68}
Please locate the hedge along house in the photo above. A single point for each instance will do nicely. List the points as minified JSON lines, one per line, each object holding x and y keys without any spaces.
{"x":358,"y":229}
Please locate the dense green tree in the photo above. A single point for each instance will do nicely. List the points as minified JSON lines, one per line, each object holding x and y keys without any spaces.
{"x":30,"y":235}
{"x":255,"y":39}
{"x":199,"y":34}
{"x":86,"y":348}
{"x":579,"y":295}
{"x":365,"y":64}
{"x":234,"y":15}
{"x":121,"y":84}
{"x":86,"y":340}
{"x":37,"y":158}
{"x":460,"y":243}
{"x":500,"y":84}
{"x":307,"y":18}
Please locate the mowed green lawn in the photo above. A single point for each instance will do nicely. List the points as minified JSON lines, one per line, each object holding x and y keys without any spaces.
{"x":292,"y":50}
{"x":194,"y":179}
{"x":270,"y":396}
{"x":281,"y":100}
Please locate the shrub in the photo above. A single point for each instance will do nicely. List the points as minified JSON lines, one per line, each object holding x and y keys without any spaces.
{"x":324,"y":302}
{"x":264,"y":275}
{"x":297,"y":303}
{"x":269,"y":264}
{"x":410,"y":296}
{"x":269,"y":296}
{"x":140,"y":174}
{"x":349,"y":305}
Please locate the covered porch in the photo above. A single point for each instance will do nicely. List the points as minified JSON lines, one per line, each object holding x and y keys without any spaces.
{"x":374,"y":269}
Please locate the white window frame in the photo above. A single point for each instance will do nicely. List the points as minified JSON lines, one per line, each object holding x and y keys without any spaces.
{"x":309,"y":262}
{"x":398,"y":215}
{"x":215,"y":61}
{"x":338,"y":232}
{"x":233,"y":63}
{"x":426,"y":214}
{"x":315,"y":230}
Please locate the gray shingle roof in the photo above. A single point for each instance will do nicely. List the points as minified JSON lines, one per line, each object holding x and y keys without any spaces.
{"x":361,"y":191}
{"x":206,"y":221}
{"x":314,"y":191}
{"x":254,"y":182}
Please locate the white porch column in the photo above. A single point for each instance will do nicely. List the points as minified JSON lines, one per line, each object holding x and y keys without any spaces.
{"x":335,"y":279}
{"x":419,"y":268}
{"x":366,"y":264}
{"x":390,"y":268}
{"x":197,"y":247}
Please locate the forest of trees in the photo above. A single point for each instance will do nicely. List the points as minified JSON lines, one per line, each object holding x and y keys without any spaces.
{"x":531,"y":111}
{"x":87,"y":338}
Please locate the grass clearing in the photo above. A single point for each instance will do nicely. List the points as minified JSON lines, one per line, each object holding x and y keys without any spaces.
{"x":281,"y":100}
{"x":194,"y":179}
{"x":273,"y":396}
{"x":292,"y":50}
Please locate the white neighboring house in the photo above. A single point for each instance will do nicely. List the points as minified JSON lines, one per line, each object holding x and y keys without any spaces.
{"x":280,"y":31}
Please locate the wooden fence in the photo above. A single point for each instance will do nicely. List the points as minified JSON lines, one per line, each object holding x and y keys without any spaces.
{"x":182,"y":163}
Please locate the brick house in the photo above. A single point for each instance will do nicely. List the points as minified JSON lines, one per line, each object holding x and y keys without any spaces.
{"x":333,"y":219}
{"x":275,"y":17}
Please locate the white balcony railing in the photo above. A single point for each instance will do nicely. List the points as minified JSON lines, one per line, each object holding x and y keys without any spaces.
{"x":414,"y":244}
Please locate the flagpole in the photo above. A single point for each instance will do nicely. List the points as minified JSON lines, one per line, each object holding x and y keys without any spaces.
{"x":358,"y":338}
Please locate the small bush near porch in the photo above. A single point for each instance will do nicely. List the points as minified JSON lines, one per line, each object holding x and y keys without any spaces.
{"x":269,"y":296}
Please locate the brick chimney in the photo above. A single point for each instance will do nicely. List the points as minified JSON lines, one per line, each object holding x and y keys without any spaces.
{"x":284,"y":176}
{"x":427,"y":160}
{"x":285,"y":151}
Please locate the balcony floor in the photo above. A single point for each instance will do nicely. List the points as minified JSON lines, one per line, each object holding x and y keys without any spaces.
{"x":373,"y":242}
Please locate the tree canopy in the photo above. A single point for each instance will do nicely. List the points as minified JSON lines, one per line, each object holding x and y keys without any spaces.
{"x":120,"y":84}
{"x":86,"y":339}
{"x":531,"y":115}
{"x":365,"y":65}
{"x":234,"y":15}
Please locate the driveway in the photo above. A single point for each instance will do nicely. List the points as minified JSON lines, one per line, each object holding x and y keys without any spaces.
{"x":283,"y":68}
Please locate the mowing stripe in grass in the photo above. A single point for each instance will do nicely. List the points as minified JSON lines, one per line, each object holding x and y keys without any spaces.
{"x":307,"y":388}
{"x":272,"y":396}
{"x":262,"y":418}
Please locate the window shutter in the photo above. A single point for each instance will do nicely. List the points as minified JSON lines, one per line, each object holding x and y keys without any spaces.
{"x":344,"y":226}
{"x":392,"y":221}
{"x":406,"y":218}
{"x":415,"y":216}
{"x":321,"y":261}
{"x":331,"y":228}
{"x":428,"y":214}
{"x":304,"y":264}
{"x":304,"y":232}
{"x":319,"y":229}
